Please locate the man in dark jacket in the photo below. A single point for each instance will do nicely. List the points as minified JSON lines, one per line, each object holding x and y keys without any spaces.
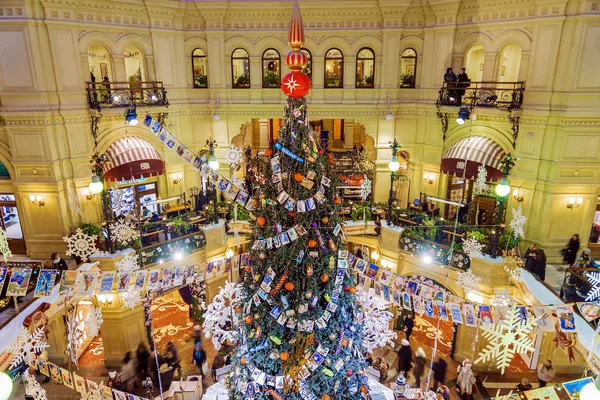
{"x":404,"y":357}
{"x":540,"y":265}
{"x":439,"y":372}
{"x":409,"y":324}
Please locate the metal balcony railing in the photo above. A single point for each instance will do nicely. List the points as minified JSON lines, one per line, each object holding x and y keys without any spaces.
{"x":125,"y":94}
{"x":504,"y":95}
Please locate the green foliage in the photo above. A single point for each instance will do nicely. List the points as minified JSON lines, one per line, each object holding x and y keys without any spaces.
{"x":408,"y":80}
{"x":243,"y":80}
{"x":361,"y":211}
{"x":271,"y":79}
{"x":90,"y":229}
{"x":201,"y":81}
{"x":507,"y":241}
{"x":432,"y":230}
{"x":179,"y":225}
{"x":477,"y":235}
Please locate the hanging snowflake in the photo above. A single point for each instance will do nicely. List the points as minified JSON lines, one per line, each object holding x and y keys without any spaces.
{"x":468,"y":280}
{"x":376,"y":322}
{"x":74,"y":202}
{"x":93,"y":322}
{"x":594,"y":279}
{"x":502,"y":298}
{"x":123,"y":232}
{"x":366,"y":189}
{"x":26,"y":346}
{"x":4,"y":248}
{"x":473,"y":248}
{"x":480,"y":186}
{"x":33,"y":387}
{"x":74,"y":335}
{"x":129,"y":263}
{"x":513,"y":265}
{"x":220,"y":315}
{"x":518,"y":222}
{"x":131,"y":299}
{"x":80,"y":244}
{"x":507,"y":338}
{"x":235,"y":156}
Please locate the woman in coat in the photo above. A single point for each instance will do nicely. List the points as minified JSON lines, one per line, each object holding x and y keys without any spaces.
{"x":531,"y":257}
{"x":405,"y":357}
{"x":570,"y":252}
{"x":465,"y":380}
{"x":420,"y":361}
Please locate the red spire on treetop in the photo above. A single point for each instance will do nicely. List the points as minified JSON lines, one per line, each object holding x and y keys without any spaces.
{"x":296,"y":35}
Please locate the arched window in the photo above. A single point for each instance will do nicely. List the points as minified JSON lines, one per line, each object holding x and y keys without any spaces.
{"x":199,"y":68}
{"x":100,"y":63}
{"x":334,"y":69}
{"x":408,"y":68}
{"x":240,"y":69}
{"x":308,"y":69}
{"x":474,"y":60}
{"x":365,"y":68}
{"x":509,"y":63}
{"x":271,"y":67}
{"x":134,"y":65}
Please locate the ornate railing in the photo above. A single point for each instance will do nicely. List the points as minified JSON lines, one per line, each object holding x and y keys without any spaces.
{"x":184,"y":244}
{"x":125,"y":94}
{"x":506,"y":95}
{"x":438,"y":252}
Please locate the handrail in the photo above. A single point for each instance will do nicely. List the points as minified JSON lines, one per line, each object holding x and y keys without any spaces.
{"x":126,"y":94}
{"x":491,"y":94}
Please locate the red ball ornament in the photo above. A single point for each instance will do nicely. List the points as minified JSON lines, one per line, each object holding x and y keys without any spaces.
{"x":268,"y":152}
{"x":292,"y":214}
{"x":296,"y":84}
{"x":349,"y":373}
{"x":346,"y":288}
{"x":261,"y":221}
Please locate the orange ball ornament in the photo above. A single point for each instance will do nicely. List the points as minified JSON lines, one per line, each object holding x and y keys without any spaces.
{"x":295,"y":84}
{"x":289,"y":286}
{"x":352,"y":290}
{"x":243,"y":360}
{"x":261,"y":221}
{"x":298,"y":177}
{"x":284,"y":356}
{"x":312,"y":243}
{"x":325,"y":397}
{"x":268,"y":152}
{"x":248,"y":269}
{"x":249,"y":320}
{"x":363,"y":389}
{"x":325,"y":220}
{"x":324,"y":278}
{"x":337,"y":200}
{"x":344,"y":342}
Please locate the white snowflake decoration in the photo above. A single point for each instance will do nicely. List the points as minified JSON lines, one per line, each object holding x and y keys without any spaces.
{"x":513,"y":265}
{"x":74,"y":202}
{"x":376,"y":322}
{"x":468,"y":280}
{"x":220,"y":313}
{"x":473,"y":248}
{"x":366,"y":189}
{"x":26,"y":346}
{"x":4,"y":248}
{"x":123,"y":232}
{"x":480,"y":186}
{"x":80,"y":244}
{"x":74,"y":335}
{"x":129,"y":263}
{"x":518,"y":222}
{"x":507,"y":338}
{"x":594,"y":279}
{"x":93,"y":322}
{"x":33,"y":387}
{"x":131,"y":299}
{"x":235,"y":156}
{"x":502,"y":298}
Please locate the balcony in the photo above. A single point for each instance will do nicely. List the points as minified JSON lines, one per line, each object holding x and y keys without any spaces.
{"x":124,"y":94}
{"x":501,"y":95}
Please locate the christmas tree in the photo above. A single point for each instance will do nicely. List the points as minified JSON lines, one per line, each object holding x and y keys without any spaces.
{"x":298,"y":332}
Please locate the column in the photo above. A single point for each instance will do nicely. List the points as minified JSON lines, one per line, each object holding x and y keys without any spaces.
{"x":263,"y":129}
{"x":489,"y":67}
{"x":216,"y":60}
{"x":348,"y":133}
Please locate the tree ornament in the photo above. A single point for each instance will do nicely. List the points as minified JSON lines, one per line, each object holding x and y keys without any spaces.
{"x":123,"y":232}
{"x":298,"y":177}
{"x":468,"y":280}
{"x":513,"y":265}
{"x":352,"y":290}
{"x":308,"y":294}
{"x":248,"y":320}
{"x":234,"y":157}
{"x":295,"y":84}
{"x":518,"y":221}
{"x":337,"y":200}
{"x":324,"y":277}
{"x":26,"y":346}
{"x":261,"y":221}
{"x":325,"y":397}
{"x":292,"y":214}
{"x":80,"y":244}
{"x":219,"y":317}
{"x":375,"y":319}
{"x":4,"y":247}
{"x":289,"y":286}
{"x":325,"y":220}
{"x":262,"y":256}
{"x":268,"y":152}
{"x":284,"y":356}
{"x":349,"y":373}
{"x":346,"y":288}
{"x":473,"y":248}
{"x":312,"y":243}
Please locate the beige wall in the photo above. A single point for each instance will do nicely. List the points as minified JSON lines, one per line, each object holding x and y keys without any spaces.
{"x":45,"y":138}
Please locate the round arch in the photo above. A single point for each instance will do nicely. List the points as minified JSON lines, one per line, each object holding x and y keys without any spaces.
{"x":473,"y":38}
{"x":96,"y":37}
{"x":134,"y":39}
{"x":110,"y":136}
{"x":368,"y":41}
{"x":513,"y":36}
{"x":236,"y":42}
{"x":458,"y":133}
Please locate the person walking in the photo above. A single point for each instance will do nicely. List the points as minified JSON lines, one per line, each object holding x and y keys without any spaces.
{"x":540,"y":265}
{"x":199,"y":357}
{"x":172,"y":358}
{"x":197,"y":334}
{"x":404,"y":357}
{"x":127,"y":376}
{"x":383,"y":371}
{"x":409,"y":324}
{"x":524,"y":385}
{"x":545,"y":372}
{"x":570,"y":252}
{"x":143,"y":357}
{"x":531,"y":257}
{"x":439,"y":372}
{"x":420,"y":361}
{"x":465,"y":380}
{"x":218,"y":363}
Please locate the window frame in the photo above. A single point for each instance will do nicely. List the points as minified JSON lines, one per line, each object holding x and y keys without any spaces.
{"x":309,"y":60}
{"x":247,"y":58}
{"x":262,"y":62}
{"x":326,"y":58}
{"x":416,"y":58}
{"x":372,"y":86}
{"x":205,"y":57}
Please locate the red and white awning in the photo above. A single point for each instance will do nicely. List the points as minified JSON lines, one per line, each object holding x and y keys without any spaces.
{"x":471,"y":152}
{"x":132,"y":158}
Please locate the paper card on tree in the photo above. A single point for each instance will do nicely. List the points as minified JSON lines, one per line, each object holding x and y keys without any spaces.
{"x":319,"y":197}
{"x":301,"y":206}
{"x":284,"y":238}
{"x":337,"y":229}
{"x":256,"y":300}
{"x":283,"y":196}
{"x":325,"y":181}
{"x":307,"y":183}
{"x":281,"y":320}
{"x":291,"y":323}
{"x":292,"y":234}
{"x":321,"y":323}
{"x":310,"y":204}
{"x":279,"y":382}
{"x":290,"y":203}
{"x":302,"y":308}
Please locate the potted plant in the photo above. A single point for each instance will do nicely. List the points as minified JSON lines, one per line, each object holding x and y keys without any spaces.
{"x":271,"y":80}
{"x":243,"y":81}
{"x":369,"y":81}
{"x":201,"y":81}
{"x":408,"y":80}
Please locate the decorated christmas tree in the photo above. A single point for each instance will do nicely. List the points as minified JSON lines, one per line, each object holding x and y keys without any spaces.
{"x":297,"y":319}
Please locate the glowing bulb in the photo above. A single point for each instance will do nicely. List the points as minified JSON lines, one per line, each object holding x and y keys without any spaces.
{"x":160,"y":261}
{"x":95,"y":186}
{"x":6,"y":385}
{"x":178,"y":256}
{"x":229,"y":253}
{"x":389,"y":116}
{"x":503,"y":188}
{"x":116,"y":98}
{"x":216,"y":116}
{"x":427,"y":259}
{"x":154,"y":98}
{"x":213,"y":163}
{"x":394,"y":165}
{"x":32,"y":198}
{"x":375,"y":255}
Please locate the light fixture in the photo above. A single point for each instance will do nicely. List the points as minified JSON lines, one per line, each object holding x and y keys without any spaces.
{"x":87,"y":194}
{"x":105,"y":299}
{"x":116,"y":98}
{"x":427,"y":259}
{"x":428,"y":178}
{"x":591,"y":391}
{"x":6,"y":386}
{"x":390,"y":115}
{"x":503,"y":188}
{"x":213,"y":163}
{"x":131,"y":116}
{"x":153,"y":97}
{"x":394,"y":165}
{"x":215,"y":114}
{"x":229,"y":253}
{"x":178,"y":256}
{"x":474,"y":297}
{"x":518,"y":195}
{"x":37,"y":199}
{"x":574,"y":202}
{"x":176,"y":178}
{"x":375,"y":255}
{"x":85,"y":303}
{"x":463,"y":115}
{"x":96,"y":185}
{"x":160,"y":261}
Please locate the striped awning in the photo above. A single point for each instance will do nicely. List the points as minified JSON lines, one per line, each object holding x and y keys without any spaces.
{"x":471,"y":152}
{"x":132,"y":158}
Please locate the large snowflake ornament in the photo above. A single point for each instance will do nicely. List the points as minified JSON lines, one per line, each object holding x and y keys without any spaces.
{"x":74,"y":202}
{"x":93,"y":322}
{"x":131,"y":299}
{"x":376,"y":322}
{"x":507,"y":338}
{"x":594,"y":293}
{"x":468,"y":280}
{"x":129,"y":263}
{"x":473,"y":248}
{"x":4,"y":248}
{"x":123,"y":232}
{"x":518,"y":222}
{"x":26,"y":346}
{"x":366,"y":189}
{"x":33,"y":387}
{"x":80,"y":244}
{"x":220,"y":315}
{"x":480,"y":186}
{"x":235,"y":156}
{"x":513,"y":265}
{"x":502,"y":298}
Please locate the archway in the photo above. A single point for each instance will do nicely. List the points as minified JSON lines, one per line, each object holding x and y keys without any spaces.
{"x":509,"y":63}
{"x":474,"y":59}
{"x":100,"y":63}
{"x":11,"y":218}
{"x":135,"y":69}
